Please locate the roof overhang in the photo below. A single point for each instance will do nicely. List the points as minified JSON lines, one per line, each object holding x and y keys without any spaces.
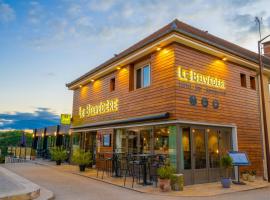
{"x":174,"y":36}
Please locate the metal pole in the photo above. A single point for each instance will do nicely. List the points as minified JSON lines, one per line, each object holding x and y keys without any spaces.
{"x":267,"y":153}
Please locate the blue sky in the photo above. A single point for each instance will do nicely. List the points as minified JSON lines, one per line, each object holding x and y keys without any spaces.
{"x":45,"y":44}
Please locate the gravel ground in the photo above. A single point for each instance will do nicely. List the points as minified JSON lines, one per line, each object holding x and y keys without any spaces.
{"x":68,"y":186}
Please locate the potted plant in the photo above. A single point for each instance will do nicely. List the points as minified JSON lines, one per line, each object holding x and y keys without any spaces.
{"x":226,"y":162}
{"x":58,"y":154}
{"x":252,"y":176}
{"x":245,"y":175}
{"x":81,"y":158}
{"x":164,"y":175}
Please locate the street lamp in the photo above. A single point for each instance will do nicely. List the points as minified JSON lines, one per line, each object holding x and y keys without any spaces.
{"x":267,"y":153}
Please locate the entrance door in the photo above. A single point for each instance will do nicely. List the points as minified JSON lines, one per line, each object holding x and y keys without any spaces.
{"x":199,"y":158}
{"x":90,"y":144}
{"x":202,"y":150}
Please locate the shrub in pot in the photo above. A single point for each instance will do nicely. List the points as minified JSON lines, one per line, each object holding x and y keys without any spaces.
{"x":245,"y":175}
{"x":164,"y":175}
{"x":252,"y":176}
{"x":81,"y":158}
{"x":226,"y":162}
{"x":58,"y":155}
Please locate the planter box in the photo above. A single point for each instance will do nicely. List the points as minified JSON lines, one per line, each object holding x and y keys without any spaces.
{"x":177,"y":182}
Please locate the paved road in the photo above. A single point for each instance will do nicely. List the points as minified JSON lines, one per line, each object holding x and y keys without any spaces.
{"x":73,"y":187}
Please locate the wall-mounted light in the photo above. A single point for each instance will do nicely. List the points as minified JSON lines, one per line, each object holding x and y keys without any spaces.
{"x":55,"y":133}
{"x":224,"y":59}
{"x":118,"y":68}
{"x":92,"y":80}
{"x":158,"y":48}
{"x":80,"y":86}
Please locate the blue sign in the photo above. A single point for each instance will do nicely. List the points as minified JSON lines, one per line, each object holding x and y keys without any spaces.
{"x":239,"y":158}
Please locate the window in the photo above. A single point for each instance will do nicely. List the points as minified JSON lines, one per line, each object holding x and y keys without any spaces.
{"x":243,"y":80}
{"x":112,"y":84}
{"x":143,"y":77}
{"x":252,"y":83}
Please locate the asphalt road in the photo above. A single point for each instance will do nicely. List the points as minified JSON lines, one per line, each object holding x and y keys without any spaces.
{"x":68,"y":186}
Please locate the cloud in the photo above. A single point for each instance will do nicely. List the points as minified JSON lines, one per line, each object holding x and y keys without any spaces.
{"x":35,"y":13}
{"x":41,"y":117}
{"x":7,"y":14}
{"x":101,"y":5}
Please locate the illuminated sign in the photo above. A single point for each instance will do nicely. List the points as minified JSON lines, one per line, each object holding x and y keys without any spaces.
{"x":65,"y":119}
{"x":195,"y":77}
{"x":103,"y":107}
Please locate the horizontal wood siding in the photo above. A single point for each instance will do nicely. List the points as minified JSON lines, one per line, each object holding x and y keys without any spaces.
{"x":239,"y":106}
{"x":157,"y":98}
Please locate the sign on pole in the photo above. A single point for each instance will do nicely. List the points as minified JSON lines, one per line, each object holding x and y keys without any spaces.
{"x":65,"y":119}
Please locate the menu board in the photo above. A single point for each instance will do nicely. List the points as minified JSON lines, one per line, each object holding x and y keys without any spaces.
{"x":239,"y":158}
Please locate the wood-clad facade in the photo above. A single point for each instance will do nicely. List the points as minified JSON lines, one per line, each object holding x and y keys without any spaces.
{"x":182,"y":108}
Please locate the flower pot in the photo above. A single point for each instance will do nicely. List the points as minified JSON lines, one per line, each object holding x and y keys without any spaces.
{"x":58,"y":162}
{"x":226,"y":182}
{"x":164,"y":185}
{"x":245,"y":176}
{"x":251,"y":178}
{"x":82,"y":168}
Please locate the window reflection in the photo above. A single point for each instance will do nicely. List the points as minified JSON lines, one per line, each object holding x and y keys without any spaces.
{"x":186,"y":148}
{"x":199,"y":148}
{"x":161,"y":140}
{"x":213,"y":148}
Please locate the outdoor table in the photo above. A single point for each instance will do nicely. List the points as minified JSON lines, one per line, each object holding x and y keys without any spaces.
{"x":144,"y":158}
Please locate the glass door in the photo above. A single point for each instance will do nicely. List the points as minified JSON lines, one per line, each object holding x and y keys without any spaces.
{"x":200,"y":171}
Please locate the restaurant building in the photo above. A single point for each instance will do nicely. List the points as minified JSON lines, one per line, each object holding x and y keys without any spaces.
{"x":181,"y":92}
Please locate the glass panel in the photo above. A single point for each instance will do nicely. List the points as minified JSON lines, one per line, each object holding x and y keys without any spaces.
{"x":161,"y":140}
{"x":132,"y":141}
{"x":186,"y":148}
{"x":213,"y":148}
{"x":146,"y":76}
{"x":165,"y":142}
{"x":120,"y":141}
{"x":145,"y":143}
{"x":199,"y":148}
{"x":75,"y":141}
{"x":138,"y":78}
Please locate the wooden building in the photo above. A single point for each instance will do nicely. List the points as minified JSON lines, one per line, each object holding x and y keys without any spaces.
{"x":181,"y":92}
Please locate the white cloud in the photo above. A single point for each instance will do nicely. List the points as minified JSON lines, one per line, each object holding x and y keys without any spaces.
{"x":7,"y":14}
{"x":35,"y":13}
{"x":101,"y":5}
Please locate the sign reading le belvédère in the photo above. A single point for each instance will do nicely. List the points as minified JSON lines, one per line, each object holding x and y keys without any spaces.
{"x":103,"y":107}
{"x":195,"y":77}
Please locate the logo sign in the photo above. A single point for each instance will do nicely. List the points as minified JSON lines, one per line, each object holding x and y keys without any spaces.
{"x":101,"y":108}
{"x":198,"y":78}
{"x":65,"y":119}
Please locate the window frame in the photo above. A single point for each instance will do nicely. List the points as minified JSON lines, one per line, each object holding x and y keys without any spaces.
{"x":141,"y":67}
{"x":245,"y":80}
{"x":252,"y":78}
{"x":112,"y":87}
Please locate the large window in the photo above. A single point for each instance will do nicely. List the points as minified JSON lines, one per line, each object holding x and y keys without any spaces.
{"x":143,"y":76}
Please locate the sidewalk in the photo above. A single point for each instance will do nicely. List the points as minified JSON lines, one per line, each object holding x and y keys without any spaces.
{"x":198,"y":190}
